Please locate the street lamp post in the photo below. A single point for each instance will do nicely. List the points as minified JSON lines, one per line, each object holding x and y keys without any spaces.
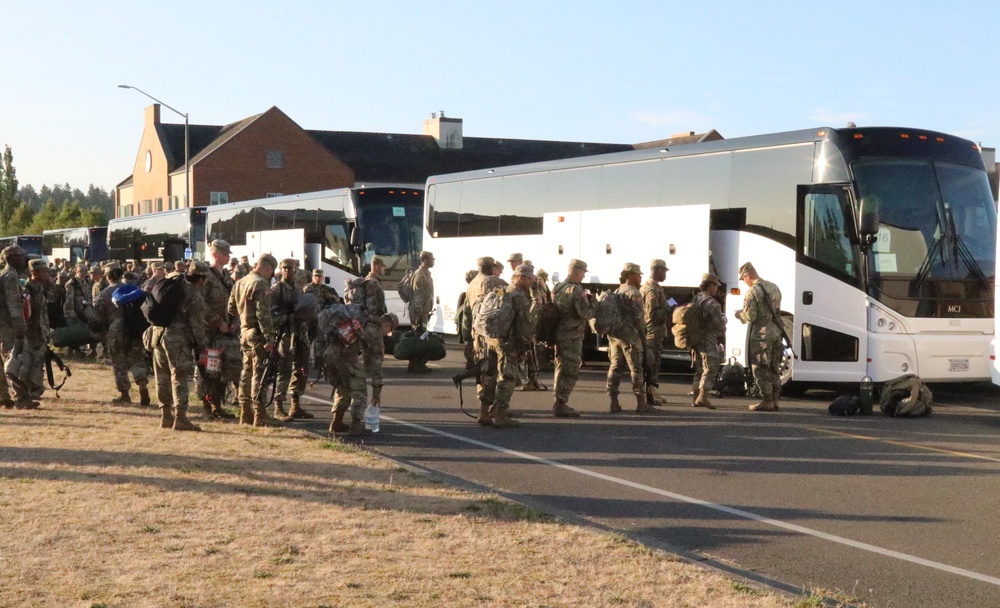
{"x":187,"y":169}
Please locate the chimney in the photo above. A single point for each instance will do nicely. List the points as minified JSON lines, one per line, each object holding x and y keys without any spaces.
{"x":446,"y":131}
{"x":153,"y":115}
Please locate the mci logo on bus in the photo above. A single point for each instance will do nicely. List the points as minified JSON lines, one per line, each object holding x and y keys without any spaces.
{"x":954,"y":309}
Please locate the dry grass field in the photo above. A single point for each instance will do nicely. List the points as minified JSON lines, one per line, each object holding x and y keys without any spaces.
{"x":101,"y":508}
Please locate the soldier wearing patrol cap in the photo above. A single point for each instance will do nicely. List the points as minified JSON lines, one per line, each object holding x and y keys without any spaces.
{"x":654,"y":303}
{"x":485,"y":355}
{"x":284,"y":298}
{"x":76,"y":307}
{"x":12,"y":324}
{"x":626,"y":349}
{"x":251,"y":302}
{"x":325,"y":294}
{"x":576,"y":305}
{"x":762,"y":311}
{"x":218,"y":324}
{"x":421,"y":304}
{"x":511,"y":348}
{"x":705,"y":350}
{"x":25,"y":369}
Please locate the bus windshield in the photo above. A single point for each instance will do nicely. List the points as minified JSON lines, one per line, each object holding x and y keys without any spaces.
{"x":392,"y":229}
{"x":937,"y":226}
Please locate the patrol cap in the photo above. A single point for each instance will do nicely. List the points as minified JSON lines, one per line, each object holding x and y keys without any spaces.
{"x":575,"y":263}
{"x":377,"y":260}
{"x":658,"y":263}
{"x":391,"y":318}
{"x":317,"y":272}
{"x":288,"y":263}
{"x":515,"y":257}
{"x":470,"y":274}
{"x":426,"y":255}
{"x":244,"y":259}
{"x":267,"y":258}
{"x":11,"y":250}
{"x":745,"y":268}
{"x":198,"y":269}
{"x":96,"y":269}
{"x":168,"y":266}
{"x":708,"y":277}
{"x":541,"y":272}
{"x":82,"y":266}
{"x":525,"y":270}
{"x":485,"y":261}
{"x":630,"y":267}
{"x":38,"y":264}
{"x":220,"y":246}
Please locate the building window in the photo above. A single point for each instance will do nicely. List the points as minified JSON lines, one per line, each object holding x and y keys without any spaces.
{"x":159,"y":205}
{"x":174,"y":202}
{"x":218,"y":198}
{"x":125,"y":210}
{"x":274,"y":194}
{"x":274,"y":159}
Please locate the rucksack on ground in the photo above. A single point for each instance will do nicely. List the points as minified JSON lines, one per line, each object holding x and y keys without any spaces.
{"x":405,"y":286}
{"x":845,"y":405}
{"x":129,"y":300}
{"x":164,"y":301}
{"x":493,"y":317}
{"x":906,"y":397}
{"x":609,"y":314}
{"x":690,"y":323}
{"x":732,"y":380}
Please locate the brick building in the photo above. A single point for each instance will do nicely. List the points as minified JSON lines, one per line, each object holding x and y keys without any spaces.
{"x":269,"y":154}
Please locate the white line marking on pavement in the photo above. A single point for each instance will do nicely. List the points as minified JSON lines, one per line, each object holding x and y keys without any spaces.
{"x":710,"y":505}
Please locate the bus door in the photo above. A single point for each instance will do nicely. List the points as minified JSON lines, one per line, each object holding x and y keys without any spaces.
{"x":830,"y":329}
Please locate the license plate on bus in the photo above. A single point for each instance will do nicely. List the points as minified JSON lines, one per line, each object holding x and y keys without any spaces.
{"x":958,"y":365}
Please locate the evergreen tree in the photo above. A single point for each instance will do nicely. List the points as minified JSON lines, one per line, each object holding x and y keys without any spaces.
{"x":8,"y":187}
{"x":21,"y":220}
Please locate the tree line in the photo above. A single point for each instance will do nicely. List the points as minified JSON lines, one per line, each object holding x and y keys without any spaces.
{"x":23,"y":210}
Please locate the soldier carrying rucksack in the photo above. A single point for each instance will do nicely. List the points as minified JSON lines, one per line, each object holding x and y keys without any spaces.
{"x":625,"y":343}
{"x":704,"y":340}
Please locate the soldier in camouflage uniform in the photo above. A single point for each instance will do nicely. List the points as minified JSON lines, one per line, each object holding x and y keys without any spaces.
{"x":293,"y":347}
{"x":251,"y":302}
{"x":174,"y":349}
{"x":485,"y":355}
{"x":511,"y":349}
{"x":706,"y":353}
{"x":12,"y":324}
{"x":761,"y":306}
{"x":421,"y":305}
{"x":373,"y":350}
{"x":626,"y":349}
{"x":218,"y":323}
{"x":77,"y":306}
{"x":25,"y":371}
{"x":575,"y":305}
{"x":325,"y":294}
{"x":127,"y":354}
{"x":654,"y":303}
{"x":98,"y":281}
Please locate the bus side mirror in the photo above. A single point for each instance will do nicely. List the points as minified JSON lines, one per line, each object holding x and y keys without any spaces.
{"x":868,"y":227}
{"x":355,"y":240}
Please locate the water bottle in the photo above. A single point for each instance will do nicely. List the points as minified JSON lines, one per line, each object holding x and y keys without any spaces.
{"x":371,"y":418}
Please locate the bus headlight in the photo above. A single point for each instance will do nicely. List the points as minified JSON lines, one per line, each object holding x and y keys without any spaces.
{"x":882,"y":321}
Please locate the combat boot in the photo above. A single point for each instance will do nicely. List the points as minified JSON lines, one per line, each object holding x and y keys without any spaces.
{"x":279,"y":411}
{"x":181,"y":423}
{"x":641,"y":407}
{"x":260,"y":417}
{"x":297,"y":412}
{"x":166,"y":417}
{"x":144,"y":395}
{"x":652,"y":396}
{"x":561,"y":410}
{"x":615,"y":406}
{"x":765,"y":405}
{"x":222,"y":413}
{"x":701,"y":400}
{"x":502,"y":419}
{"x":206,"y":408}
{"x":484,"y":415}
{"x":337,"y":424}
{"x":122,"y":399}
{"x":357,"y":427}
{"x":246,"y":414}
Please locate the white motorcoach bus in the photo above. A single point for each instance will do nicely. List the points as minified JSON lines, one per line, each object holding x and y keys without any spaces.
{"x":882,"y":240}
{"x":336,"y":230}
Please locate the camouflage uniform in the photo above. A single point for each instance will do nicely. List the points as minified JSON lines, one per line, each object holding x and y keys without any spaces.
{"x":421,"y":305}
{"x":486,"y":355}
{"x":27,"y":378}
{"x":344,"y":370}
{"x":215,"y":291}
{"x":626,"y":350}
{"x":706,"y":353}
{"x":575,"y":309}
{"x":510,"y":350}
{"x":173,"y":355}
{"x":654,"y":303}
{"x":765,"y":338}
{"x":127,"y":354}
{"x":293,"y":348}
{"x":77,"y":306}
{"x":250,"y":300}
{"x":325,"y":295}
{"x":374,"y":341}
{"x":12,"y":324}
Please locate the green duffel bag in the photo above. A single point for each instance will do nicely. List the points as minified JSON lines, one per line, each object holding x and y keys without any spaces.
{"x":427,"y":347}
{"x":74,"y":335}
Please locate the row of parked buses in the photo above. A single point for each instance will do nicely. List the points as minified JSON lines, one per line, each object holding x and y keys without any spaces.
{"x":882,"y":240}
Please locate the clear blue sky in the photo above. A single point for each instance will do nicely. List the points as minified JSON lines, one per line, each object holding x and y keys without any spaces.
{"x":618,"y":72}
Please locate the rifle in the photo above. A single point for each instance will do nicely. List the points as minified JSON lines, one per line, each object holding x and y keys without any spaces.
{"x":50,"y":358}
{"x":270,"y":376}
{"x":777,"y":321}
